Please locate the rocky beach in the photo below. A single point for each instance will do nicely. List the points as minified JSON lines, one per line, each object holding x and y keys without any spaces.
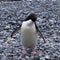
{"x":12,"y":13}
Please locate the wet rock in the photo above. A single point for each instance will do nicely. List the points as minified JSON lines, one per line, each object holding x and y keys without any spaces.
{"x":27,"y":57}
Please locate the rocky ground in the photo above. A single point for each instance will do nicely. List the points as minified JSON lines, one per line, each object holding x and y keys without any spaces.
{"x":11,"y":15}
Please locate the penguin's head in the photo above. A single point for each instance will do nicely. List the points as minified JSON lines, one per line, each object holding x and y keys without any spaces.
{"x":32,"y":17}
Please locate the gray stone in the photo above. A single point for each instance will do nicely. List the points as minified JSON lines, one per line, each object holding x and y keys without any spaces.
{"x":4,"y":58}
{"x":47,"y":57}
{"x":6,"y":27}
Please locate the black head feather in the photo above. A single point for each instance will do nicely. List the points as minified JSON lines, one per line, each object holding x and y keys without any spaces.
{"x":32,"y":16}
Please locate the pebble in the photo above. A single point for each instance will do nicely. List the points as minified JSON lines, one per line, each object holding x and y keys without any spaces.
{"x":32,"y":57}
{"x":29,"y":50}
{"x":29,"y":0}
{"x":42,"y":58}
{"x":47,"y":57}
{"x":1,"y":48}
{"x":12,"y":22}
{"x":36,"y":57}
{"x":6,"y":27}
{"x":4,"y":58}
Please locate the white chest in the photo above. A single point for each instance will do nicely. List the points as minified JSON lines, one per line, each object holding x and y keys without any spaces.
{"x":28,"y":27}
{"x":28,"y":33}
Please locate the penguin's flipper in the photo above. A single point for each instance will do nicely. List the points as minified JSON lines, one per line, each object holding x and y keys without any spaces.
{"x":16,"y":30}
{"x":39,"y":33}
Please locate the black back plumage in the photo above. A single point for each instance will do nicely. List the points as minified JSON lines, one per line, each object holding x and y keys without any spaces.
{"x":32,"y":16}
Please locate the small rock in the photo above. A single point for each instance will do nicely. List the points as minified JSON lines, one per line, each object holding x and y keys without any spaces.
{"x":4,"y":58}
{"x":12,"y":22}
{"x":42,"y":58}
{"x":47,"y":57}
{"x":27,"y":57}
{"x":50,"y":33}
{"x":36,"y":57}
{"x":6,"y":27}
{"x":1,"y":48}
{"x":12,"y":39}
{"x":8,"y":40}
{"x":14,"y":57}
{"x":19,"y":58}
{"x":5,"y":45}
{"x":41,"y":53}
{"x":29,"y":0}
{"x":29,"y":50}
{"x":32,"y":57}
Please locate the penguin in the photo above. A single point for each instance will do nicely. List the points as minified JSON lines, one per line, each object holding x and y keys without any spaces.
{"x":29,"y":32}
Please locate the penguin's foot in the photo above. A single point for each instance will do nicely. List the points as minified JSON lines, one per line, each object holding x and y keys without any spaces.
{"x":33,"y":52}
